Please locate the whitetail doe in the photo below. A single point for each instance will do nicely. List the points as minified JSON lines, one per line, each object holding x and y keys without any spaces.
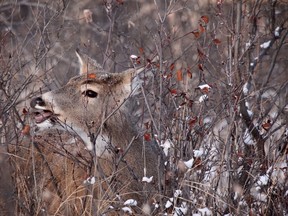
{"x":92,"y":105}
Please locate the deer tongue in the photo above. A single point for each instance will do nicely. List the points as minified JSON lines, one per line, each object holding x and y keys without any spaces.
{"x":42,"y":116}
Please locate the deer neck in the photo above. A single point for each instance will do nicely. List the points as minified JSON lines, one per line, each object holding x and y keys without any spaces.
{"x":116,"y":134}
{"x":120,"y":130}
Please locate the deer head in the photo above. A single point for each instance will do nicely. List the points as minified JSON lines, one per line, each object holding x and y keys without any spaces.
{"x":86,"y":104}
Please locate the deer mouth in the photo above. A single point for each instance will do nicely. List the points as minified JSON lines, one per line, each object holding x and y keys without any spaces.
{"x":43,"y":115}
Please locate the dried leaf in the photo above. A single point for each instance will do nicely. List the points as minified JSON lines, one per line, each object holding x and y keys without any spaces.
{"x":240,"y":154}
{"x":205,"y":19}
{"x":91,"y":75}
{"x":172,"y":66}
{"x":138,"y":60}
{"x":147,"y":125}
{"x":24,"y":111}
{"x":200,"y":54}
{"x":179,"y":75}
{"x":196,"y":34}
{"x":147,"y":137}
{"x":88,"y":15}
{"x":189,"y":73}
{"x":200,"y":66}
{"x":173,"y":91}
{"x":192,"y":121}
{"x":201,"y":28}
{"x":120,"y":2}
{"x":205,"y":90}
{"x":141,"y":50}
{"x":200,"y":122}
{"x":183,"y":95}
{"x":26,"y":130}
{"x":183,"y":103}
{"x":217,"y":41}
{"x":266,"y":126}
{"x":204,"y":87}
{"x":197,"y":163}
{"x":190,"y":103}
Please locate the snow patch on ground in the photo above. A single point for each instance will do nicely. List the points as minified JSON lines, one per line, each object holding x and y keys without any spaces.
{"x":146,"y":179}
{"x":265,"y":45}
{"x":247,"y":138}
{"x":130,"y":202}
{"x":277,"y":31}
{"x":90,"y":180}
{"x":166,"y":146}
{"x":203,"y":98}
{"x":189,"y":163}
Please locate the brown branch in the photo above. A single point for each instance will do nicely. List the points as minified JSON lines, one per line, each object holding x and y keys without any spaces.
{"x":237,"y":42}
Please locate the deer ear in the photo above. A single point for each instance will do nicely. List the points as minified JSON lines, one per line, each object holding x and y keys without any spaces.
{"x":130,"y":79}
{"x":87,"y":65}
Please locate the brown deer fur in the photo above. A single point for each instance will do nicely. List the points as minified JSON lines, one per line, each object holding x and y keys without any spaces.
{"x":92,"y":106}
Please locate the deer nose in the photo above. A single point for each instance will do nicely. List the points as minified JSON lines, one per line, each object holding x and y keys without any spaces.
{"x":37,"y":101}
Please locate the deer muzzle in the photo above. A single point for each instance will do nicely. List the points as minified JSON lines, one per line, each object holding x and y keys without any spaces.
{"x":40,"y":111}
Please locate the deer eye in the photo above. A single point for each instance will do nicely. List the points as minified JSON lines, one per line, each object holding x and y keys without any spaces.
{"x":90,"y":93}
